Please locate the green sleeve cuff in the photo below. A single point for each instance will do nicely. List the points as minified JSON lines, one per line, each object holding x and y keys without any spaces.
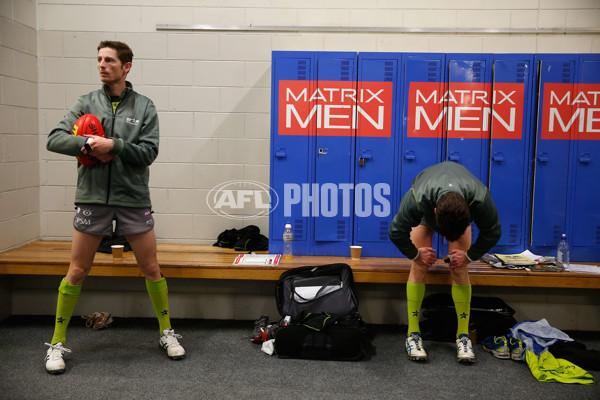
{"x":118,"y":146}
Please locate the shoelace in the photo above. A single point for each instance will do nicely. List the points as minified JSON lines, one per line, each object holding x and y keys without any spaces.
{"x":499,"y":339}
{"x":417,"y":342}
{"x":57,"y":348}
{"x":464,"y":342}
{"x":172,"y":337}
{"x":517,"y":344}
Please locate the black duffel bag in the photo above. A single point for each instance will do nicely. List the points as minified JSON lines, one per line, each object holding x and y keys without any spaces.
{"x":319,"y":311}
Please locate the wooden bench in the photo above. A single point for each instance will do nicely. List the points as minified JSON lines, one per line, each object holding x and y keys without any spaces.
{"x":208,"y":262}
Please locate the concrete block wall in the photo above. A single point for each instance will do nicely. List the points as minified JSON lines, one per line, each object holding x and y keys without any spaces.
{"x":19,"y":131}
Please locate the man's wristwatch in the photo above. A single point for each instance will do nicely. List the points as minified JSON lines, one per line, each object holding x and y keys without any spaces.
{"x":87,"y":146}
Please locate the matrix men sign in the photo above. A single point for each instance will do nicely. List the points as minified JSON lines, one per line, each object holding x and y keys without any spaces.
{"x":335,"y":108}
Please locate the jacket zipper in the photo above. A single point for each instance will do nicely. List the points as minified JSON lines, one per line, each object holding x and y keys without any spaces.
{"x":112,"y":131}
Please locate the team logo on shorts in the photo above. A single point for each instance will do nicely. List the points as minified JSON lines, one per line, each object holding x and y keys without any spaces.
{"x":147,"y":213}
{"x":85,"y":211}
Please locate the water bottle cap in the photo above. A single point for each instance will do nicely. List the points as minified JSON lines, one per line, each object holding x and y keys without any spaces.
{"x":288,"y":226}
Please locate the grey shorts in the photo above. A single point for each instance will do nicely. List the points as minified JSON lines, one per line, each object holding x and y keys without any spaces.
{"x":96,"y":219}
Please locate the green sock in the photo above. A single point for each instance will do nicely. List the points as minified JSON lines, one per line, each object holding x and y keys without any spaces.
{"x":414,"y":297}
{"x":158,"y":292}
{"x":461,"y":294}
{"x":67,"y":298}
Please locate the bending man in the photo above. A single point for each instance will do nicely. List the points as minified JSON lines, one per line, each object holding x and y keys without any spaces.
{"x":444,"y":198}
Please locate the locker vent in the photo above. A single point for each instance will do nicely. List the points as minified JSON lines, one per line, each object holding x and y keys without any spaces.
{"x":521,"y":72}
{"x":557,"y":233}
{"x":432,"y":72}
{"x":345,"y":71}
{"x":341,"y":229}
{"x":513,"y":234}
{"x":299,"y":229}
{"x":388,"y":74}
{"x":477,"y":67}
{"x":302,"y":70}
{"x":383,"y":230}
{"x":566,"y":75}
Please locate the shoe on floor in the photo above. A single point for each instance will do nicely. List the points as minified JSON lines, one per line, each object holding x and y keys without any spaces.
{"x":55,"y":364}
{"x":498,"y":346}
{"x":464,"y":349}
{"x":414,"y":347}
{"x":516,"y":349}
{"x":168,"y":341}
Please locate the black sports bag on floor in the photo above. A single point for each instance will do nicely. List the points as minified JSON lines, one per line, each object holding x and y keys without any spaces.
{"x":319,"y":312}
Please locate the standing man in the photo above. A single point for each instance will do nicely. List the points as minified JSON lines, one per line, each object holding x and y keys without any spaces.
{"x":115,"y":189}
{"x":443,"y":198}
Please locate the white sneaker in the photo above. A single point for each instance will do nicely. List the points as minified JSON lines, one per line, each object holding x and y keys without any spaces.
{"x":464,"y":349}
{"x":414,"y":347}
{"x":54,"y":358}
{"x":168,"y":341}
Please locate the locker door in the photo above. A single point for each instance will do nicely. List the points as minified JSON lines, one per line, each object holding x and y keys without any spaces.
{"x":334,"y":152}
{"x":423,"y":118}
{"x":423,"y":115}
{"x":292,"y":131}
{"x":511,"y":136}
{"x":468,"y":101}
{"x":377,"y":135}
{"x":556,"y":79}
{"x":586,"y":162}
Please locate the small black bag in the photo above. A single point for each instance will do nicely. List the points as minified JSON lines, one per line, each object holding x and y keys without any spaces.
{"x":490,"y":316}
{"x":245,"y":239}
{"x":320,"y":314}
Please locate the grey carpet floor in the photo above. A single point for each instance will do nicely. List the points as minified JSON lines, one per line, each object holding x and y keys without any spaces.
{"x":125,"y":362}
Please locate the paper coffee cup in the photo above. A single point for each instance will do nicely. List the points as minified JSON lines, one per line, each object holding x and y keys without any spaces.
{"x":355,"y":252}
{"x":117,"y":250}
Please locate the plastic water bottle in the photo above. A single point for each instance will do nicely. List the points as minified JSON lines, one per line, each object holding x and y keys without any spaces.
{"x":562,"y":251}
{"x":288,"y":237}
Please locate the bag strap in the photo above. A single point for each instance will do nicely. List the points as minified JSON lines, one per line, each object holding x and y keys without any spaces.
{"x":316,"y":322}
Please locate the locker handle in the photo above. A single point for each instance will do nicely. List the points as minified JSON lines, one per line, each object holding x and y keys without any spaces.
{"x":280,"y":153}
{"x":498,"y":157}
{"x":409,"y":155}
{"x":454,"y":156}
{"x":543,"y":157}
{"x":585,"y":158}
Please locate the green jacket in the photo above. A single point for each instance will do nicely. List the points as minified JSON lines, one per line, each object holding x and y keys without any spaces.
{"x":420,"y":201}
{"x":134,"y":128}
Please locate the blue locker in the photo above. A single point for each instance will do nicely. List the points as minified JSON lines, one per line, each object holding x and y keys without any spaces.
{"x":377,"y":141}
{"x":336,"y":99}
{"x":312,"y":149}
{"x":511,"y":131}
{"x":585,"y":162}
{"x":423,"y":118}
{"x":557,"y":76}
{"x":292,"y":135}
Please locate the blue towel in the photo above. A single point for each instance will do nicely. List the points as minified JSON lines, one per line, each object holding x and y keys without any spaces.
{"x":538,"y":335}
